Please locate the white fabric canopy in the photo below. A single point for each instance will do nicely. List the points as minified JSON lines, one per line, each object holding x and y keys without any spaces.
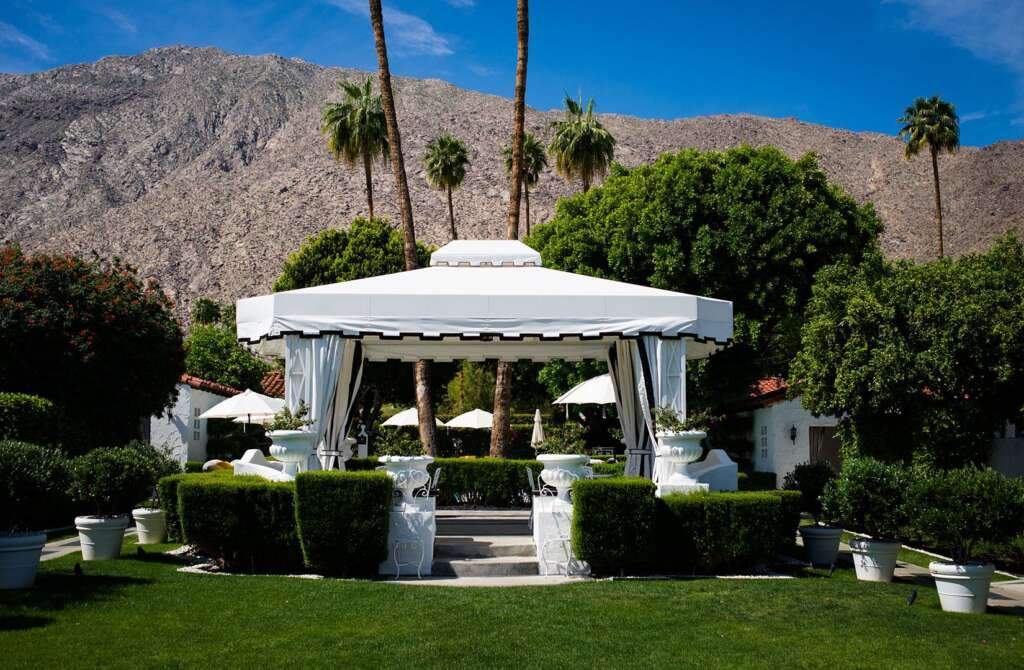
{"x":407,"y":417}
{"x":245,"y":404}
{"x":475,"y":418}
{"x":595,"y":391}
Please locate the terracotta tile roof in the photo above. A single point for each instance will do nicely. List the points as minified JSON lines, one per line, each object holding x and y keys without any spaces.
{"x":206,"y":385}
{"x":768,"y":386}
{"x":273,"y":384}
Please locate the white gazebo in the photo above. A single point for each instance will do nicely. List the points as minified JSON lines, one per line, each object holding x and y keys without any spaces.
{"x":482,"y":300}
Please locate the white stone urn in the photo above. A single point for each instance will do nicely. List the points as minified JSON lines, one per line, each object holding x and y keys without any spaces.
{"x":150,"y":524}
{"x":874,"y":560}
{"x":562,"y":470}
{"x":675,"y":451}
{"x":408,"y":472}
{"x":293,"y":448}
{"x":19,"y":559}
{"x":962,"y":587}
{"x":101,"y":536}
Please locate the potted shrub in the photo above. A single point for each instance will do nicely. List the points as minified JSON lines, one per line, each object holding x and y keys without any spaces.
{"x":821,"y":540}
{"x":33,"y":485}
{"x":290,"y":441}
{"x":958,"y":510}
{"x":870,"y":496}
{"x":109,"y":480}
{"x":150,"y":518}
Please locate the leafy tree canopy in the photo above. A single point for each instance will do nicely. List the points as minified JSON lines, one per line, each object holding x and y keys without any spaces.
{"x":92,"y":337}
{"x":920,"y":360}
{"x":747,"y":225}
{"x":471,"y":388}
{"x":212,"y":352}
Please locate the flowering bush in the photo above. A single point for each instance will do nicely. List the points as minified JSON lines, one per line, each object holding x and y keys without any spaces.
{"x":91,"y":336}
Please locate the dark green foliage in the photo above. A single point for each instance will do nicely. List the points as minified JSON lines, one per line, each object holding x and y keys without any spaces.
{"x":212,"y":352}
{"x":810,"y":480}
{"x":33,"y":487}
{"x":614,"y":524}
{"x":193,"y":466}
{"x":870,"y":496}
{"x":205,"y":311}
{"x":472,"y":387}
{"x":28,"y":418}
{"x":921,"y":361}
{"x":112,"y":480}
{"x":246,"y":523}
{"x":566,"y":438}
{"x":71,"y":326}
{"x":616,"y":469}
{"x":233,"y":443}
{"x":757,"y":481}
{"x":343,"y":520}
{"x":167,"y":492}
{"x":747,"y":225}
{"x":959,"y":509}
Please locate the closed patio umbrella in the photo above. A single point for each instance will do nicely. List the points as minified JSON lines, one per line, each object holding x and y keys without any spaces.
{"x":538,"y":430}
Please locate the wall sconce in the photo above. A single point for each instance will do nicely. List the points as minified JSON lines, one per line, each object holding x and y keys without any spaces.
{"x":792,"y":433}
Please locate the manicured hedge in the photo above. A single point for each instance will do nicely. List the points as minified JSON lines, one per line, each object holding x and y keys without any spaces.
{"x":33,"y":488}
{"x":620,"y":527}
{"x":246,"y":523}
{"x":613,"y":524}
{"x":27,"y":418}
{"x":193,"y":466}
{"x":757,"y":481}
{"x":343,"y":520}
{"x":167,"y":491}
{"x":615,"y":469}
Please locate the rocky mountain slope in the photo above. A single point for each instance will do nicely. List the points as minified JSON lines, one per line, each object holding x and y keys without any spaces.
{"x":205,"y":169}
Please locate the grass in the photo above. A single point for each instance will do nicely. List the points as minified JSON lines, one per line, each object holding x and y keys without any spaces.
{"x":139,"y":612}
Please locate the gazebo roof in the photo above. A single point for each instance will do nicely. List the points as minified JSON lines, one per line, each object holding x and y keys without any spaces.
{"x":493,"y":293}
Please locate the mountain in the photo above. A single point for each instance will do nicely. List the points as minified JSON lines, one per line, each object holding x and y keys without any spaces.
{"x":205,"y":169}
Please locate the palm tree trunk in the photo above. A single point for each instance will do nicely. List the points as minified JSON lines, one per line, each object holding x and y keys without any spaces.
{"x":526,"y":198}
{"x":586,"y":184}
{"x":451,"y":215}
{"x":500,"y":429}
{"x":428,"y":434}
{"x":368,"y":171}
{"x":938,"y":197}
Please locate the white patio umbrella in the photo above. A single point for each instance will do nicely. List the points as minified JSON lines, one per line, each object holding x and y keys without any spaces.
{"x":595,"y":391}
{"x":407,"y":417}
{"x":261,"y":419}
{"x":246,"y":405}
{"x":474,"y":418}
{"x":538,"y":430}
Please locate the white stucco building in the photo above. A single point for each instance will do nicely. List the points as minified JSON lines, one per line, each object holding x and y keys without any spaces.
{"x":179,"y":429}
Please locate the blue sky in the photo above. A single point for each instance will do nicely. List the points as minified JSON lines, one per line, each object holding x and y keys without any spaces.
{"x":851,"y":65}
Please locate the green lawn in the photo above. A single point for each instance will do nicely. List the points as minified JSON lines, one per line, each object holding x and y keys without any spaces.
{"x":139,"y":613}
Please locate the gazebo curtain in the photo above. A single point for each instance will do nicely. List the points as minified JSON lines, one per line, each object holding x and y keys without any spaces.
{"x":324,"y":372}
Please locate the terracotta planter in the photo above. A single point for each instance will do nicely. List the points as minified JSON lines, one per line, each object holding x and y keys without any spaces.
{"x":19,"y":559}
{"x":821,"y":543}
{"x":962,"y":587}
{"x":874,"y":560}
{"x":101,"y":536}
{"x":150,"y":524}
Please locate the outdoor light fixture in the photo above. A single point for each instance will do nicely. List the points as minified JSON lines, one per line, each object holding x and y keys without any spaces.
{"x":792,"y":433}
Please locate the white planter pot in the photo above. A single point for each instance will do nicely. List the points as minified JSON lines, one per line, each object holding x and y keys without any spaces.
{"x":293,"y":448}
{"x":874,"y":560}
{"x":675,"y":451}
{"x":101,"y":536}
{"x":963,"y":587}
{"x":150,"y":524}
{"x":821,"y":543}
{"x":19,"y":559}
{"x":562,"y":470}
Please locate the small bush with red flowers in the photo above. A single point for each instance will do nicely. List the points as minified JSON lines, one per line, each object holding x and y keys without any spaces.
{"x":91,"y":336}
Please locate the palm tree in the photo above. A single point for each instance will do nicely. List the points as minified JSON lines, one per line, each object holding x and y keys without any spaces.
{"x":931,"y":122}
{"x":535,"y":160}
{"x":446,"y":160}
{"x":356,"y":129}
{"x":428,"y":434}
{"x":581,"y":146}
{"x":500,"y":430}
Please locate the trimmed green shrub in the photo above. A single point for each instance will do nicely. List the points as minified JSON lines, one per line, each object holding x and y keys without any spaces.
{"x":616,"y":469}
{"x":33,"y":487}
{"x":567,"y":438}
{"x":343,"y":520}
{"x":613,"y":524}
{"x":869,"y":496}
{"x":722,"y":532}
{"x":959,"y":509}
{"x":757,"y":481}
{"x":792,"y":503}
{"x":810,"y":479}
{"x":245,"y":523}
{"x":111,"y":480}
{"x":193,"y":466}
{"x":167,"y":494}
{"x":28,"y":418}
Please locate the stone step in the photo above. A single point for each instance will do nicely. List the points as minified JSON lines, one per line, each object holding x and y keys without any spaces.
{"x":503,"y":566}
{"x":483,"y":546}
{"x":477,"y":523}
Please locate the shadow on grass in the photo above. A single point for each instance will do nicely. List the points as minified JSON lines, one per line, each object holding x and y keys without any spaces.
{"x":54,"y":591}
{"x":23,"y":622}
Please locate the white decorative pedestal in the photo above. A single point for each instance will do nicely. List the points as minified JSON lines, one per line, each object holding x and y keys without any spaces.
{"x":552,"y":527}
{"x":293,"y":448}
{"x":561,"y":470}
{"x":411,"y":527}
{"x":675,"y":451}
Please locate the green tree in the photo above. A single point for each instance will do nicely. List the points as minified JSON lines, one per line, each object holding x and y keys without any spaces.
{"x":212,"y":352}
{"x":92,"y":337}
{"x":356,"y":130}
{"x":918,"y":360}
{"x":535,"y":161}
{"x":746,"y":225}
{"x":581,"y":146}
{"x":445,"y":161}
{"x":205,"y":311}
{"x":472,"y":387}
{"x":932,"y":123}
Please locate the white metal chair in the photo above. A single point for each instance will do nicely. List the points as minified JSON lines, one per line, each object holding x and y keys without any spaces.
{"x":408,"y":544}
{"x":536,"y":489}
